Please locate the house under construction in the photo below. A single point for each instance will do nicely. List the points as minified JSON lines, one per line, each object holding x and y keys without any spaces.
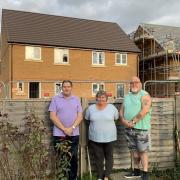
{"x":160,"y":58}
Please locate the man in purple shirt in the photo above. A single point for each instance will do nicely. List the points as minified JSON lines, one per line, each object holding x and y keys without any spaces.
{"x":66,"y":115}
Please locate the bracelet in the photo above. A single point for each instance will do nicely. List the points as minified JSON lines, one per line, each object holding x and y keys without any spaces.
{"x":74,"y":127}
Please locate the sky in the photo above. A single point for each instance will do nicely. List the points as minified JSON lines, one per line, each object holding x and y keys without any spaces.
{"x":127,"y":13}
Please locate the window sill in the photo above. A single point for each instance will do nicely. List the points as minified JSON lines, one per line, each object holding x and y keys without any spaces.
{"x":101,"y":66}
{"x":62,"y":64}
{"x":33,"y":60}
{"x":120,"y":65}
{"x":20,"y":94}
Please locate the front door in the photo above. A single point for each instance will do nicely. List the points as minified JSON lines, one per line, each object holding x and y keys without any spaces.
{"x":34,"y":90}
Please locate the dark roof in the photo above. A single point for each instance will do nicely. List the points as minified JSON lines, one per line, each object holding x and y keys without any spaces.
{"x":43,"y":29}
{"x":164,"y":34}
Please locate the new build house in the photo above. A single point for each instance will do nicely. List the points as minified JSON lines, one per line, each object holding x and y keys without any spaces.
{"x":159,"y":58}
{"x":39,"y":51}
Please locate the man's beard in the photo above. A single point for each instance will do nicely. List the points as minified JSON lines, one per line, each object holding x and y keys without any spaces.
{"x":134,"y":90}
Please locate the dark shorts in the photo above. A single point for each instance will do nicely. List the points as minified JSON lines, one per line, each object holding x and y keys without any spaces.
{"x":138,"y":140}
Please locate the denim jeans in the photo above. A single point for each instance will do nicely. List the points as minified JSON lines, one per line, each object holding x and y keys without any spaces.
{"x":74,"y":142}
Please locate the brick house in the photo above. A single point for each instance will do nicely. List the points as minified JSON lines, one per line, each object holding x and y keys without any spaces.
{"x":40,"y":50}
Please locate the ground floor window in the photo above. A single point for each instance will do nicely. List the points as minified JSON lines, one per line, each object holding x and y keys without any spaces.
{"x":34,"y":90}
{"x":120,"y":90}
{"x":20,"y":87}
{"x":97,"y":87}
{"x":58,"y":88}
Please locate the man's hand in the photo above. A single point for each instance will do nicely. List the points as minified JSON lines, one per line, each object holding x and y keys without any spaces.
{"x":68,"y":131}
{"x":131,"y":124}
{"x":128,"y":124}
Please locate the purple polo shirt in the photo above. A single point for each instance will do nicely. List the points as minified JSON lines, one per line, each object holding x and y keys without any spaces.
{"x":66,"y":110}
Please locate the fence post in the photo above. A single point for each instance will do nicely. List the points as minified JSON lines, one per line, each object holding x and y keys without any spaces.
{"x":177,"y":110}
{"x":3,"y":90}
{"x":83,"y":165}
{"x":177,"y":125}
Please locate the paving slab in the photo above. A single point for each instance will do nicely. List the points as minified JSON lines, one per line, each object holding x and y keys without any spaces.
{"x":120,"y":176}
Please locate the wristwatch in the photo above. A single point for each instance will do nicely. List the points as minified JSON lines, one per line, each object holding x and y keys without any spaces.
{"x":74,"y":127}
{"x":133,"y":122}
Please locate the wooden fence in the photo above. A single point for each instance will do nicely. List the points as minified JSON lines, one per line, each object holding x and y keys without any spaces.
{"x":162,"y":154}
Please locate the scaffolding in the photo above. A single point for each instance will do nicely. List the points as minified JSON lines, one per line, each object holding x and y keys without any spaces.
{"x":158,"y":60}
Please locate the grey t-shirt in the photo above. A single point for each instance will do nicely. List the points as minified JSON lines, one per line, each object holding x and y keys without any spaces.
{"x":102,"y":127}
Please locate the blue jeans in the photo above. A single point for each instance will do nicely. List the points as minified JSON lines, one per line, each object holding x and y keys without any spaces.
{"x":74,"y":142}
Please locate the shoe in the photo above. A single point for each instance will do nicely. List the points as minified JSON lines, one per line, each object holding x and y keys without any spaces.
{"x":144,"y":175}
{"x":135,"y":174}
{"x":132,"y":175}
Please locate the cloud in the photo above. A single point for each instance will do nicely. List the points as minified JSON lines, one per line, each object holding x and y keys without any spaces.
{"x":128,"y":14}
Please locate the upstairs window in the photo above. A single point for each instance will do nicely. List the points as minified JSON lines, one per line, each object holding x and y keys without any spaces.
{"x":121,"y":59}
{"x":61,"y":56}
{"x":33,"y":53}
{"x":98,"y":58}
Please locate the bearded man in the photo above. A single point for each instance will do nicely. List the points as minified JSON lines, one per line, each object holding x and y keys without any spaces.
{"x":135,"y":115}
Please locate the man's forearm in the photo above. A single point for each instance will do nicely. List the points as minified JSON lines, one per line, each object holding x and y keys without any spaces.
{"x":141,"y":114}
{"x":146,"y":105}
{"x":121,"y":114}
{"x":138,"y":117}
{"x":122,"y":120}
{"x":78,"y":120}
{"x":56,"y":121}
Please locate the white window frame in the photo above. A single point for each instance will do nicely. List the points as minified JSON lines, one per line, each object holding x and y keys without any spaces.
{"x":117,"y":89}
{"x":60,"y":61}
{"x":121,"y":59}
{"x":29,"y":50}
{"x":18,"y":88}
{"x":98,"y":55}
{"x":98,"y":84}
{"x":55,"y":92}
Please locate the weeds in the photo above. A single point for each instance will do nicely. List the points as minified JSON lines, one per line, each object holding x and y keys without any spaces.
{"x":64,"y":157}
{"x":168,"y":174}
{"x":26,"y":154}
{"x":86,"y":176}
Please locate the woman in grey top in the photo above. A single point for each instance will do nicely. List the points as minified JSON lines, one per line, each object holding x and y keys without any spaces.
{"x":102,"y":133}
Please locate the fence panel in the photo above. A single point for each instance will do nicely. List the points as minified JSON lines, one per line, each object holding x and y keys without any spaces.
{"x":162,"y":153}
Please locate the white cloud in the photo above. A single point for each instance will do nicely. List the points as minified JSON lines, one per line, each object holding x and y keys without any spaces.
{"x":170,"y":20}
